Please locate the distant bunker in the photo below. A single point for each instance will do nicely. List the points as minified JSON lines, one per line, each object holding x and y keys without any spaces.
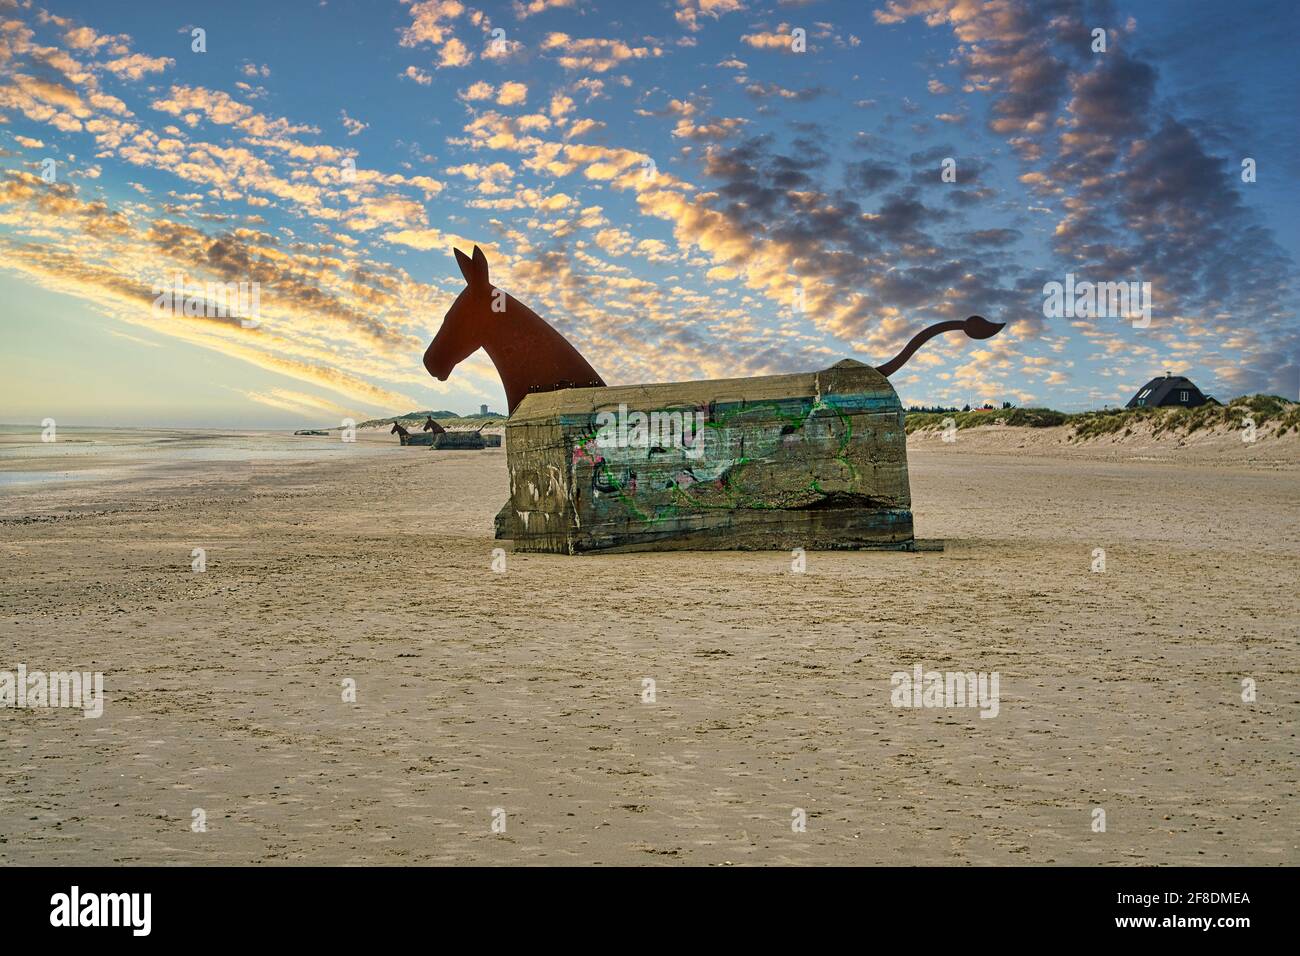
{"x":815,"y":461}
{"x":460,"y":440}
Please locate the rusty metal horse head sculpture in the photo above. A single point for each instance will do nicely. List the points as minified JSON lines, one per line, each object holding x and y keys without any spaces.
{"x":530,"y":356}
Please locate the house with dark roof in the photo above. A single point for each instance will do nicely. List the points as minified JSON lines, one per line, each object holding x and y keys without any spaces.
{"x":1169,"y":390}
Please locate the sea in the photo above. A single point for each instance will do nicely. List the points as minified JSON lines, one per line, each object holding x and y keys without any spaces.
{"x":66,"y":466}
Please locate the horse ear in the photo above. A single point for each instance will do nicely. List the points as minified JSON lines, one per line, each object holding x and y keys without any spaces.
{"x":480,"y":267}
{"x":466,"y":265}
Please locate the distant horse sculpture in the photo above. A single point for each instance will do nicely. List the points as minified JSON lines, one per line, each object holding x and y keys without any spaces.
{"x":431,"y":426}
{"x":531,"y":356}
{"x":408,"y":439}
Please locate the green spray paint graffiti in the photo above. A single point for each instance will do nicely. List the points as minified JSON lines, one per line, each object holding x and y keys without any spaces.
{"x":722,"y":474}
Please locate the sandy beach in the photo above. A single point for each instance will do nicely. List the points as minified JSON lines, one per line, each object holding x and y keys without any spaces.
{"x":516,"y":698}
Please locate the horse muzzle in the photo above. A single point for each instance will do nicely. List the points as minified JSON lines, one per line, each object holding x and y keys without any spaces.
{"x":434,"y":367}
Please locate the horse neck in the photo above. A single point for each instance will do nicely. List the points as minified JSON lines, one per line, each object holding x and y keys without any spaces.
{"x":530,"y":356}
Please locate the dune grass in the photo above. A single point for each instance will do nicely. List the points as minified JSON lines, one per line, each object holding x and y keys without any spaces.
{"x":1263,"y":409}
{"x":1024,"y":417}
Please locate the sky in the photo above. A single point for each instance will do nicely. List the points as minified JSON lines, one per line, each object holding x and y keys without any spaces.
{"x":672,"y":184}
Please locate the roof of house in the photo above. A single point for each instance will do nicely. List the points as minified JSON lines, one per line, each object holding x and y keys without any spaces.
{"x":1162,"y":385}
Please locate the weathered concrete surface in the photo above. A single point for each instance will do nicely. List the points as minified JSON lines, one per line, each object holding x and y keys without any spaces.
{"x":815,"y":460}
{"x":459,"y":440}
